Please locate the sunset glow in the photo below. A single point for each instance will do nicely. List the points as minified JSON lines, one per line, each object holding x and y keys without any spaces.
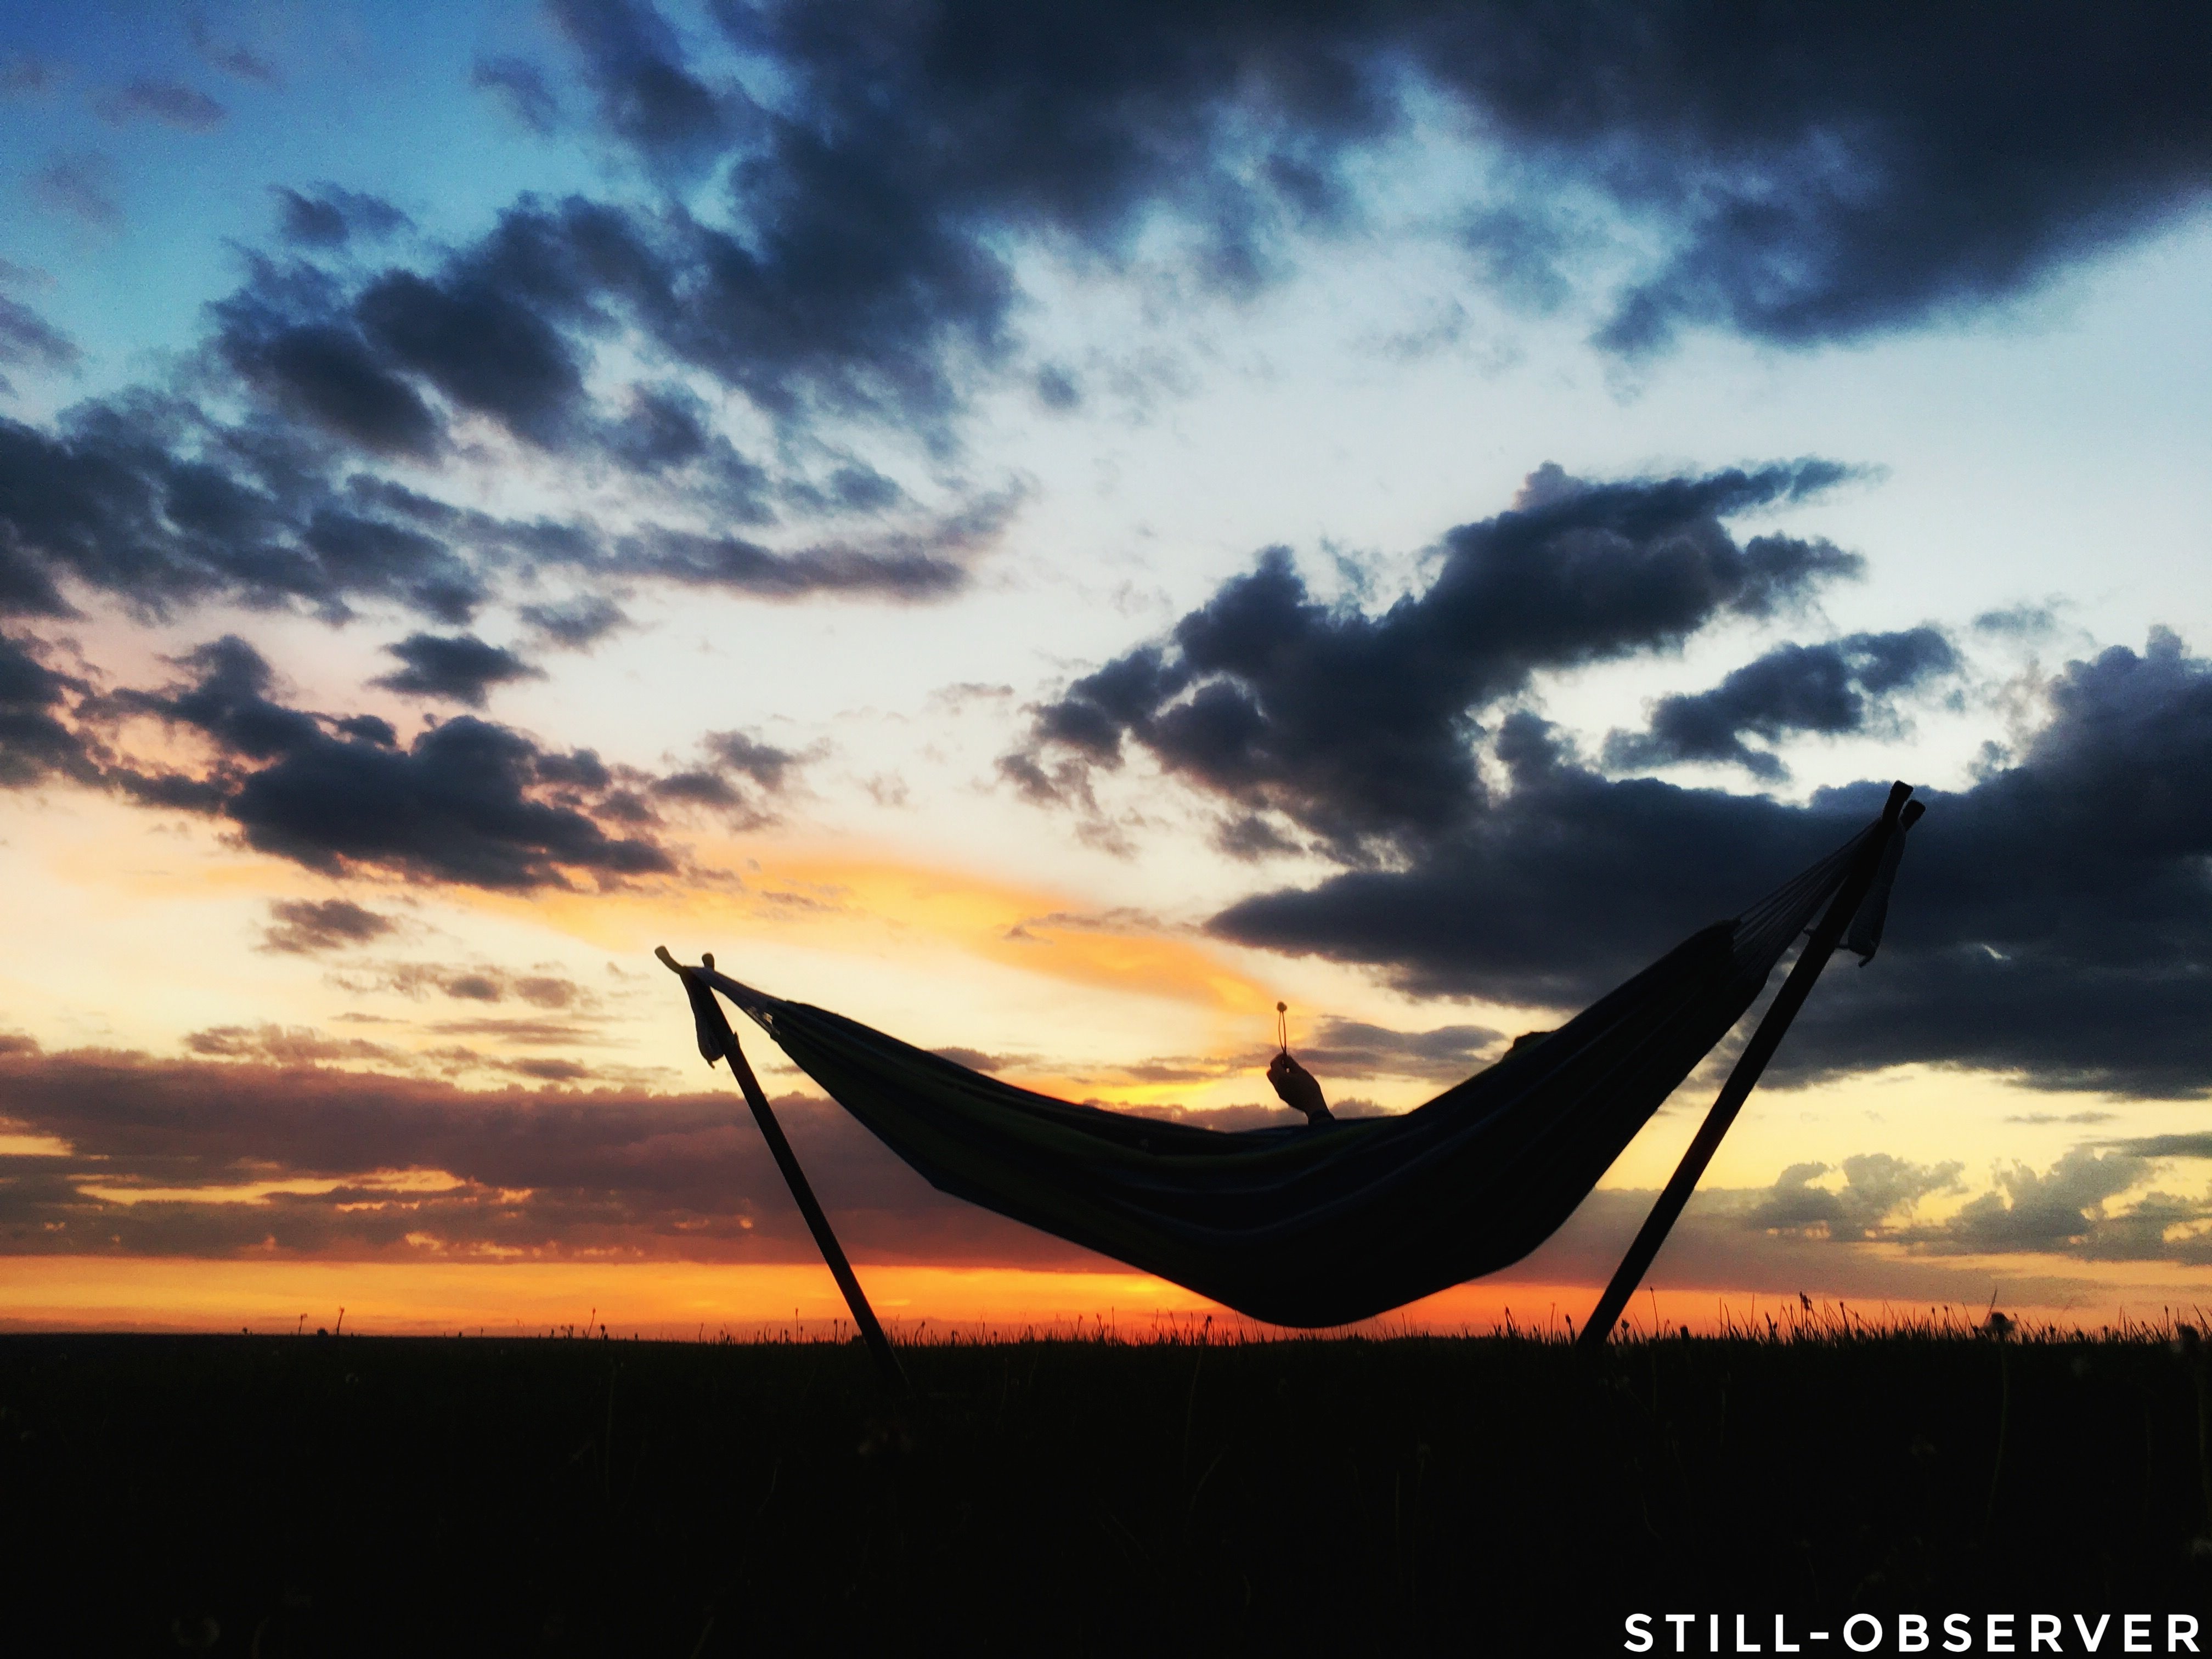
{"x":1052,"y":567}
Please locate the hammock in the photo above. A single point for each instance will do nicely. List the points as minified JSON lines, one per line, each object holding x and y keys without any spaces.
{"x":1328,"y":1224}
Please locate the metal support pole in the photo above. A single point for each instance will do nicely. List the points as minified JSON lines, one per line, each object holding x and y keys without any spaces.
{"x":715,"y":1023}
{"x":1748,"y":1065}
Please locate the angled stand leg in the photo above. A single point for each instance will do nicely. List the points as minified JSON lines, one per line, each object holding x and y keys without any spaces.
{"x":714,"y":1030}
{"x":1745,"y":1076}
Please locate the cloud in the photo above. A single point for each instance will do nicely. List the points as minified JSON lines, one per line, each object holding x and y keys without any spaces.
{"x":332,"y":217}
{"x":741,"y":774}
{"x":575,"y":624}
{"x":2051,"y":923}
{"x":1835,"y":689}
{"x":646,"y":94}
{"x":145,"y":499}
{"x":309,"y":927}
{"x":853,"y":255}
{"x":150,"y":497}
{"x":1874,"y":1238}
{"x":230,"y":56}
{"x":930,"y":563}
{"x":281,"y":1045}
{"x":474,"y":983}
{"x":519,"y":87}
{"x":1826,"y":176}
{"x":36,"y":743}
{"x":1878,"y":1190}
{"x":2071,"y":1209}
{"x":261,"y":1144}
{"x":27,"y":338}
{"x":1355,"y":1049}
{"x":764,"y":763}
{"x":24,"y":75}
{"x":468,"y":801}
{"x":458,"y":668}
{"x":170,"y":102}
{"x":223,"y":1156}
{"x":2032,"y":1211}
{"x":1816,"y":179}
{"x":485,"y":350}
{"x":1357,"y":727}
{"x":666,"y":433}
{"x":282,"y":336}
{"x":82,"y":185}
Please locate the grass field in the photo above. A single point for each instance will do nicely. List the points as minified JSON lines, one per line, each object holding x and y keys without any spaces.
{"x":377,"y":1495}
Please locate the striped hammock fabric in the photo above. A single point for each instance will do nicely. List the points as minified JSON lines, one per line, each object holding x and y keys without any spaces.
{"x":1323,"y":1225}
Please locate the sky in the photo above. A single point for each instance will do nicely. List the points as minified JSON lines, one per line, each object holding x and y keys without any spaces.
{"x":1051,"y":531}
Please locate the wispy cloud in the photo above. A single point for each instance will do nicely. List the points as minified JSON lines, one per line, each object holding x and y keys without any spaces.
{"x":172,"y":103}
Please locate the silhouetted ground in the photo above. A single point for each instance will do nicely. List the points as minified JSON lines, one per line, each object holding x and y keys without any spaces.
{"x":374,"y":1495}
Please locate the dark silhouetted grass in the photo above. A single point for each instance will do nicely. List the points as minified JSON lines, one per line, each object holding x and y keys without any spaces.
{"x":396,"y":1496}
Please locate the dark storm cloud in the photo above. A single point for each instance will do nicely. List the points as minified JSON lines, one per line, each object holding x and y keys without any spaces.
{"x":458,"y":668}
{"x":284,"y":334}
{"x":170,"y":102}
{"x":147,"y":495}
{"x":467,"y":801}
{"x":667,"y":433}
{"x":1832,"y":689}
{"x":520,"y":86}
{"x":857,"y":261}
{"x":2052,"y":921}
{"x":455,"y":806}
{"x":310,"y":926}
{"x":844,"y":299}
{"x":646,"y":94}
{"x":1853,"y":171}
{"x":1833,"y":172}
{"x":36,"y":741}
{"x":2058,"y":923}
{"x":332,"y":216}
{"x":486,"y":351}
{"x":149,"y":498}
{"x":1355,"y":726}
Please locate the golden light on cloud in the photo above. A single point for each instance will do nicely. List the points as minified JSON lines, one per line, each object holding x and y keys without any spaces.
{"x":379,"y":1181}
{"x":870,"y":907}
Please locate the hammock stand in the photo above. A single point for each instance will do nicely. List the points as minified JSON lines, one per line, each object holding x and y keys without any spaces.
{"x":714,"y":1029}
{"x":1135,"y":1162}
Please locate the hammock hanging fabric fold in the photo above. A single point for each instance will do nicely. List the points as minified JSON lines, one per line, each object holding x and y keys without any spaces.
{"x":1322,"y":1226}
